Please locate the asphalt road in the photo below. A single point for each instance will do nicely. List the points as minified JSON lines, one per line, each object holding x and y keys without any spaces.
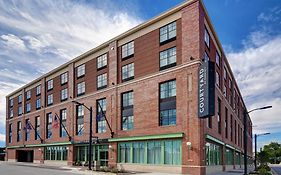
{"x":19,"y":169}
{"x":276,"y":169}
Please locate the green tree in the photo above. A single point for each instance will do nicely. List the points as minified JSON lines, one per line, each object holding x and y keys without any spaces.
{"x":271,"y":153}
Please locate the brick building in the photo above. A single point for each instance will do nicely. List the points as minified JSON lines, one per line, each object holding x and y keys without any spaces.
{"x":146,"y":81}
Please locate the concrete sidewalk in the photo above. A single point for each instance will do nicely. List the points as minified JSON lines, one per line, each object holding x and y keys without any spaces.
{"x":234,"y":171}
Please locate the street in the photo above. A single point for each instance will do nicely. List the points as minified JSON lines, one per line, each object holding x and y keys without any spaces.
{"x":276,"y":169}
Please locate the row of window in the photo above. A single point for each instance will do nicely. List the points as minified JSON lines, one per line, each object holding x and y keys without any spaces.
{"x":151,"y":152}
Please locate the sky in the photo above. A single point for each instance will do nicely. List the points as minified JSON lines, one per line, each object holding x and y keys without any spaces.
{"x":38,"y":36}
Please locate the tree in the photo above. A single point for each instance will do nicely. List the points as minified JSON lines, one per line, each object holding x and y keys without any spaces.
{"x":271,"y":153}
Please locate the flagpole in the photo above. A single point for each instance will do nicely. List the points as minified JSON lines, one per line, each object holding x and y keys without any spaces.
{"x":69,"y":137}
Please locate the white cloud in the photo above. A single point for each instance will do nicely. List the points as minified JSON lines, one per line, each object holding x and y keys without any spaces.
{"x":49,"y":33}
{"x":2,"y":137}
{"x":257,"y":69}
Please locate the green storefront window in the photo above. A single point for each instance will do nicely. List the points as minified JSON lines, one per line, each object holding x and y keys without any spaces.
{"x":57,"y":153}
{"x":213,"y":154}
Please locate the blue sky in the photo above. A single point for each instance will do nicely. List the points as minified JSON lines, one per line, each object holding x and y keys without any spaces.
{"x":49,"y":33}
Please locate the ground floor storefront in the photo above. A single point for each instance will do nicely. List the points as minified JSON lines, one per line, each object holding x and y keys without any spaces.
{"x":154,"y":153}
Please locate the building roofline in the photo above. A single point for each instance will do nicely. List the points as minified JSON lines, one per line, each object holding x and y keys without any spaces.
{"x":105,"y":44}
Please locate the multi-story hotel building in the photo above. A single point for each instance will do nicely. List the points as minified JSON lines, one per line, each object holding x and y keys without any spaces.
{"x":146,"y":81}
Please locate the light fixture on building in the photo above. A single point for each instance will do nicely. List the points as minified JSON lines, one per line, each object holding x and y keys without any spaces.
{"x":188,"y":144}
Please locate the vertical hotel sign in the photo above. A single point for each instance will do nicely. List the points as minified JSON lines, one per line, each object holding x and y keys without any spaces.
{"x":206,"y":89}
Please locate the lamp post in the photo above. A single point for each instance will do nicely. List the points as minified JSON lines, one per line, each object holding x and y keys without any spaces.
{"x":246,"y":113}
{"x":90,"y":135}
{"x":256,"y":135}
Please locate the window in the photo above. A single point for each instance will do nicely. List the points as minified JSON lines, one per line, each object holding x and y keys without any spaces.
{"x":63,"y":94}
{"x":19,"y":110}
{"x":28,"y":95}
{"x":80,"y":70}
{"x":206,"y":57}
{"x":224,"y":73}
{"x":37,"y":128}
{"x":127,"y":111}
{"x":207,"y":38}
{"x":11,"y":103}
{"x":20,"y":98}
{"x":57,"y":153}
{"x":63,"y":78}
{"x":209,"y":122}
{"x":11,"y":112}
{"x":218,"y":59}
{"x":226,"y":123}
{"x":50,"y":85}
{"x":28,"y":107}
{"x":27,"y":130}
{"x":168,"y":58}
{"x":219,"y":116}
{"x":235,"y":132}
{"x":231,"y":127}
{"x":50,"y":100}
{"x":228,"y":156}
{"x":10,"y":133}
{"x":213,"y":154}
{"x":151,"y":152}
{"x":168,"y":103}
{"x":217,"y":79}
{"x":128,"y":72}
{"x":38,"y":90}
{"x":81,"y":88}
{"x":38,"y":103}
{"x":102,"y":81}
{"x":168,"y":32}
{"x":19,"y":127}
{"x":102,"y":61}
{"x":79,"y":120}
{"x":63,"y":117}
{"x":128,"y":49}
{"x":49,"y":126}
{"x":101,"y":122}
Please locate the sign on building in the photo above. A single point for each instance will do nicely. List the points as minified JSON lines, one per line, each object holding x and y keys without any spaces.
{"x":206,"y":90}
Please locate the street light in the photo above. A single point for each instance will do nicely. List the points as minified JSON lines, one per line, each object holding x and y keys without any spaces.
{"x":245,"y":134}
{"x":256,"y":135}
{"x":91,"y":132}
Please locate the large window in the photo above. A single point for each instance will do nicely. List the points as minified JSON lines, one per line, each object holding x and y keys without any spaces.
{"x":38,"y":90}
{"x":37,"y":128}
{"x":11,"y":102}
{"x":127,"y":111}
{"x":63,"y":78}
{"x":228,"y":156}
{"x":28,"y":107}
{"x":10,"y":133}
{"x":168,"y":58}
{"x":50,"y":84}
{"x":63,"y":94}
{"x":50,"y":99}
{"x":128,"y":72}
{"x":219,"y":116}
{"x":101,"y":122}
{"x":218,"y":59}
{"x":49,"y":126}
{"x":19,"y":98}
{"x":168,"y":103}
{"x":79,"y":120}
{"x":63,"y":117}
{"x":19,"y":110}
{"x":207,"y":38}
{"x":102,"y":81}
{"x":102,"y":61}
{"x":226,"y":123}
{"x":80,"y":70}
{"x":38,"y":103}
{"x":28,"y":95}
{"x":11,"y":112}
{"x":58,"y":153}
{"x":206,"y":56}
{"x":151,"y":152}
{"x":19,"y":127}
{"x":213,"y":154}
{"x":27,"y":130}
{"x":217,"y":79}
{"x":128,"y":49}
{"x":168,"y":32}
{"x":81,"y":88}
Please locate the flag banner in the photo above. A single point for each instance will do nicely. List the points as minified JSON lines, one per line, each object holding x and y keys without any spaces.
{"x":56,"y":122}
{"x":27,"y":127}
{"x":99,"y":117}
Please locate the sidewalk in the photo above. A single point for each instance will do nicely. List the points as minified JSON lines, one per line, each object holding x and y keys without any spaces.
{"x":233,"y":172}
